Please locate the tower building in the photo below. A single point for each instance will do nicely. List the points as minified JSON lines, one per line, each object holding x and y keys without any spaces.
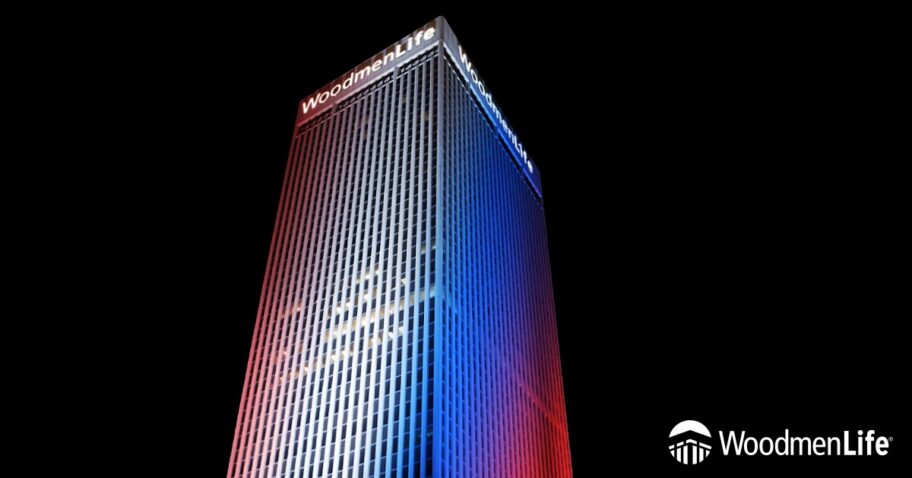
{"x":406,"y":323}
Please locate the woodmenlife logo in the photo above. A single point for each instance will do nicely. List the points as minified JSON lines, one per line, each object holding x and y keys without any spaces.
{"x":691,"y":443}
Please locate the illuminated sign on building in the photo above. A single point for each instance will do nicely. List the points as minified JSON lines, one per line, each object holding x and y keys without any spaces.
{"x":501,"y":121}
{"x":430,"y":35}
{"x":370,"y":69}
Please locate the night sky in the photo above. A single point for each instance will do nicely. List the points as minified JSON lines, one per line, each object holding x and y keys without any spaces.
{"x":720,"y":216}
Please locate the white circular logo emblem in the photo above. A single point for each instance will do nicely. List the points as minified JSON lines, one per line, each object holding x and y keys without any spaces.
{"x":690,"y":442}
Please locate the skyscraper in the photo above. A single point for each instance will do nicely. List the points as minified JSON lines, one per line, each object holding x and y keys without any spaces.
{"x":406,"y":324}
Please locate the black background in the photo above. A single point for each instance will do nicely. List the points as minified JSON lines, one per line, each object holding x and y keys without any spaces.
{"x":722,"y":192}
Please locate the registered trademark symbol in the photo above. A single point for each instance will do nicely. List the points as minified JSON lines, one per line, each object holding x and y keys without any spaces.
{"x":890,"y":438}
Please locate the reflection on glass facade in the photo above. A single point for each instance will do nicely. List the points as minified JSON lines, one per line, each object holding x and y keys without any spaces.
{"x":406,"y":324}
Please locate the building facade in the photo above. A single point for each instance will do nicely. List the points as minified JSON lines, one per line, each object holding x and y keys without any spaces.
{"x":406,"y":323}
